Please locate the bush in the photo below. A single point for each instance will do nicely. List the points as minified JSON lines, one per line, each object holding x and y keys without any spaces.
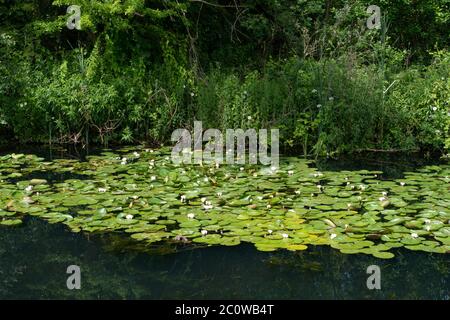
{"x":423,"y":96}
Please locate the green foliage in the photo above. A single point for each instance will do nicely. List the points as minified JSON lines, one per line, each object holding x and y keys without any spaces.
{"x":139,"y":69}
{"x":333,"y":105}
{"x":424,"y":97}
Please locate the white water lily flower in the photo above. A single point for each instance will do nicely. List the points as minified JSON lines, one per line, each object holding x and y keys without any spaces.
{"x":269,"y":206}
{"x":219,"y":194}
{"x":29,"y":188}
{"x":249,"y":117}
{"x":427,"y":221}
{"x":285,"y":235}
{"x":203,"y":199}
{"x":434,"y":108}
{"x":191,"y":215}
{"x":204,"y":232}
{"x":101,"y":189}
{"x":207,"y":207}
{"x":241,"y":169}
{"x":402,"y":183}
{"x":137,"y":155}
{"x":332,"y":236}
{"x":331,"y":98}
{"x":206,"y":179}
{"x":297,"y":191}
{"x":384,"y":193}
{"x":319,"y":106}
{"x":129,"y":216}
{"x":183,"y":198}
{"x":290,"y":172}
{"x":315,"y":175}
{"x":28,"y":200}
{"x":269,"y":231}
{"x":428,"y":228}
{"x":152,"y":178}
{"x":414,"y":235}
{"x":382,"y":198}
{"x":314,"y":91}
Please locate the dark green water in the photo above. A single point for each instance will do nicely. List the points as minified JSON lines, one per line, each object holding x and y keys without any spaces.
{"x":34,"y":258}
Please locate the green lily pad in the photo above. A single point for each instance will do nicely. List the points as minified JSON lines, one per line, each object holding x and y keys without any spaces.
{"x":12,"y":222}
{"x":383,"y":255}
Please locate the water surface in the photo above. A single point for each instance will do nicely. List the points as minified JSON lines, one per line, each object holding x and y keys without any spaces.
{"x":34,"y":258}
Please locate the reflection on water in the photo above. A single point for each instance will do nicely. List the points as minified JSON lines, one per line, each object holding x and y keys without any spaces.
{"x":34,"y":259}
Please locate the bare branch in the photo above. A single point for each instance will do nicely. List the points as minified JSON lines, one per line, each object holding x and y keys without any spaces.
{"x":219,"y":5}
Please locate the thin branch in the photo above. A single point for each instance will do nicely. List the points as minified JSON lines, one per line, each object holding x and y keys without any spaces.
{"x":219,"y":5}
{"x":388,"y":150}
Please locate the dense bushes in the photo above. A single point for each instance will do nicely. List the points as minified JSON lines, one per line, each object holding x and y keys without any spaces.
{"x":424,"y":96}
{"x":331,"y":105}
{"x":140,"y":69}
{"x":77,"y":101}
{"x":320,"y":107}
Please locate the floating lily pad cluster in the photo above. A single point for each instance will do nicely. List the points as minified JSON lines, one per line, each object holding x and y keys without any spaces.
{"x":141,"y":193}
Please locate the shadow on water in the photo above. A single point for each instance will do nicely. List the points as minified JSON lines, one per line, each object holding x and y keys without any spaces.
{"x":50,"y":153}
{"x":392,"y":165}
{"x":34,"y":258}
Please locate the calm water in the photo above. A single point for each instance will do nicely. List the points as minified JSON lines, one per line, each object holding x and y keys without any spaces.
{"x":34,"y":258}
